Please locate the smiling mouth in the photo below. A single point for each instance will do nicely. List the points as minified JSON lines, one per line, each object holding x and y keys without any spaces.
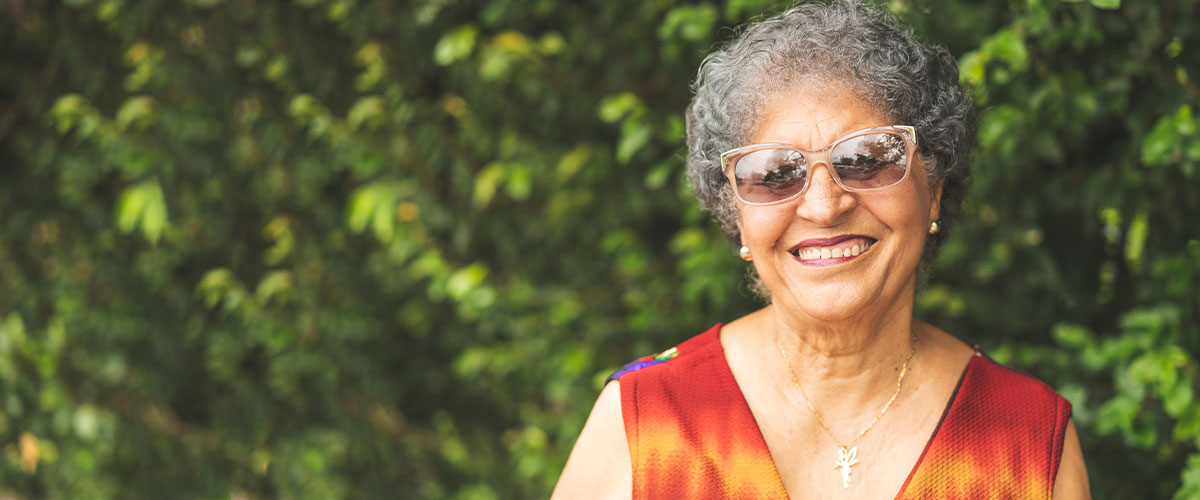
{"x":827,"y":252}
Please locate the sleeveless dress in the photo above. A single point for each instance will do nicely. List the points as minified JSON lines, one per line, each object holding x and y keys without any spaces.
{"x":691,"y":434}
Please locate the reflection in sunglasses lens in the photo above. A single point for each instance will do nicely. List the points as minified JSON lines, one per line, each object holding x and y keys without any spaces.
{"x":770,"y":174}
{"x":870,"y":161}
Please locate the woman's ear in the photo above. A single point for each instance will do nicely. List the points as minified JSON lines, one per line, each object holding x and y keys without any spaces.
{"x":935,"y":202}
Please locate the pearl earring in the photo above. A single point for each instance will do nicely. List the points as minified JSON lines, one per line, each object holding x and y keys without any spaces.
{"x":934,"y":227}
{"x":745,"y":253}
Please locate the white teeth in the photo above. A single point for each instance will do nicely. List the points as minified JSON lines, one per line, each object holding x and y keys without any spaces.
{"x":832,"y":253}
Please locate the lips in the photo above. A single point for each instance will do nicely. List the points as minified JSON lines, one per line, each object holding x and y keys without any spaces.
{"x":828,"y":251}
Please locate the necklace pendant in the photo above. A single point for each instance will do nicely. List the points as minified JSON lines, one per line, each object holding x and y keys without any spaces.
{"x":846,"y":458}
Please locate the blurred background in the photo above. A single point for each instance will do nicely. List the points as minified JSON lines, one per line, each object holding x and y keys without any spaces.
{"x":380,"y":249}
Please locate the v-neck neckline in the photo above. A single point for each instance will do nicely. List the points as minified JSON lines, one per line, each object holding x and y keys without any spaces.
{"x":762,"y":440}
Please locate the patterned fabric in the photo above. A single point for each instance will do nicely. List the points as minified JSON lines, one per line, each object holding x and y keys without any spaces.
{"x":643,"y":362}
{"x":691,"y":434}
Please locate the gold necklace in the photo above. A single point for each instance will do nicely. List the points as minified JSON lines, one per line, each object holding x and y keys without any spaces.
{"x":847,"y":453}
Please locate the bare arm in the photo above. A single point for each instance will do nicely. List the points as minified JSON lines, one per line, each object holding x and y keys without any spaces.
{"x":599,"y":467}
{"x":1072,"y":481}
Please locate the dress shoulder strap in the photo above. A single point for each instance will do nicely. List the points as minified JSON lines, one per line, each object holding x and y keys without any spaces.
{"x":1002,"y":437}
{"x":689,"y":429}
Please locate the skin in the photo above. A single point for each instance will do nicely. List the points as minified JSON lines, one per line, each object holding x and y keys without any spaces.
{"x":846,"y":330}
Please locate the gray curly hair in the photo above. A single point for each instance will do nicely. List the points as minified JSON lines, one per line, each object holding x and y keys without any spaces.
{"x":841,"y":41}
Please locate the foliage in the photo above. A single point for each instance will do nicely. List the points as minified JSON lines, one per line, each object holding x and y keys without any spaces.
{"x":338,"y":248}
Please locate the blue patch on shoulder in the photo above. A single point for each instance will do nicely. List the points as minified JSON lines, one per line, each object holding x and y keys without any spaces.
{"x":661,"y":357}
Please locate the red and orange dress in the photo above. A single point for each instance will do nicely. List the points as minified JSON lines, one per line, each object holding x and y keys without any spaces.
{"x":691,"y":434}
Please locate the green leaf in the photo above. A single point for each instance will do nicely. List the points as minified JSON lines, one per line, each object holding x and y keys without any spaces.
{"x":142,"y":205}
{"x":374,"y":206}
{"x":1072,"y":336}
{"x":471,"y":362}
{"x":1162,"y":146}
{"x":736,"y":10}
{"x":1188,"y":426}
{"x":307,"y":111}
{"x":1185,"y":124}
{"x":69,"y":110}
{"x":486,"y":183}
{"x":365,"y":110}
{"x":1190,"y":479}
{"x":519,"y":182}
{"x":551,"y":43}
{"x":273,"y":284}
{"x":1158,"y":147}
{"x":689,"y":22}
{"x":513,"y":42}
{"x":361,"y":206}
{"x":383,"y":218}
{"x":137,"y":112}
{"x":634,"y":136}
{"x":998,"y":123}
{"x":1179,"y":398}
{"x":154,"y":214}
{"x":571,"y":162}
{"x":1116,"y":414}
{"x":972,"y":68}
{"x":1135,"y":239}
{"x":12,"y":333}
{"x":130,"y":205}
{"x":615,"y":107}
{"x":1106,"y":4}
{"x":1006,"y":45}
{"x":463,"y":281}
{"x":455,"y":45}
{"x":658,"y":176}
{"x":1150,"y":321}
{"x":215,"y":285}
{"x":495,"y":64}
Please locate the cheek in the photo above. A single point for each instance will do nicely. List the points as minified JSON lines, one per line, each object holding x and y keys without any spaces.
{"x":906,"y":207}
{"x":762,"y":225}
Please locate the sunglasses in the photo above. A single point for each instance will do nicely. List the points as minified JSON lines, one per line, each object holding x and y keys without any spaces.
{"x":865,"y":160}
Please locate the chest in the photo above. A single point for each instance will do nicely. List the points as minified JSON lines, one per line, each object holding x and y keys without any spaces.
{"x":838,"y":450}
{"x":812,"y":465}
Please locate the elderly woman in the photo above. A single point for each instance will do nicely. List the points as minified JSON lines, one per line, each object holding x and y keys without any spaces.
{"x":833,"y":149}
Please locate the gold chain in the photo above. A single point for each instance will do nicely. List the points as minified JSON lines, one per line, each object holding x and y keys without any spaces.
{"x":900,"y":380}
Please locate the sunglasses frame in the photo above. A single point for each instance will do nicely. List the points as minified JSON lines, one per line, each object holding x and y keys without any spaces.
{"x":730,"y":158}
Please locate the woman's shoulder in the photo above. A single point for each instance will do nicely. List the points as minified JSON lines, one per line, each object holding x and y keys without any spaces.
{"x":599,"y":466}
{"x":1017,"y":387}
{"x":1002,"y":416}
{"x":1001,"y":382}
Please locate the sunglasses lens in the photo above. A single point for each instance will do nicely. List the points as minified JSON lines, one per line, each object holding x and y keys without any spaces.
{"x":871,"y":161}
{"x":769,"y":175}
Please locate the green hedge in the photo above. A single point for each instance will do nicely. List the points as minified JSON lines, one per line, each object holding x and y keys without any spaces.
{"x":361,"y":249}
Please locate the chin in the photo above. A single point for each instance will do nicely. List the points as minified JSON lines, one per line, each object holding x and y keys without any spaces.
{"x":831,"y":307}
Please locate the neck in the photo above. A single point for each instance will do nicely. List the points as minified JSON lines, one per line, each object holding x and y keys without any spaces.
{"x":848,"y":368}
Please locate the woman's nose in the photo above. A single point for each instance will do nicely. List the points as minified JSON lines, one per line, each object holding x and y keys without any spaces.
{"x":824,"y":201}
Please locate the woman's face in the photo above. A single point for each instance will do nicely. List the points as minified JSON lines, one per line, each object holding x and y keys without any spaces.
{"x":785,"y":240}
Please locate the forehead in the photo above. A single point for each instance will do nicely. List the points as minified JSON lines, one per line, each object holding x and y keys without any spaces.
{"x":813,"y":119}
